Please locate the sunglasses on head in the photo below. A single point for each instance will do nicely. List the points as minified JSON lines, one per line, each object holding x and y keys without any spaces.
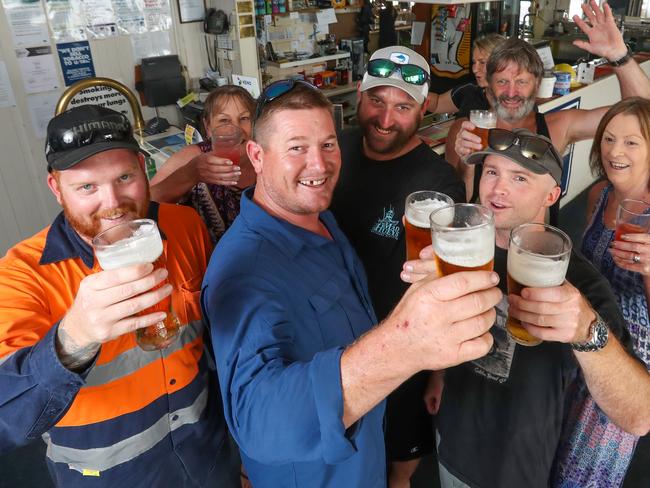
{"x":276,"y":90}
{"x":410,"y":73}
{"x":529,"y":146}
{"x":86,"y":134}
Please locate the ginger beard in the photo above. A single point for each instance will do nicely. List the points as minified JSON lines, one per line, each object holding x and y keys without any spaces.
{"x":90,"y":226}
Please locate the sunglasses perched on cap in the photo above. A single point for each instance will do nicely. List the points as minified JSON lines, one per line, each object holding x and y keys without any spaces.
{"x":410,"y":73}
{"x":530,"y":147}
{"x":86,"y":134}
{"x":276,"y":90}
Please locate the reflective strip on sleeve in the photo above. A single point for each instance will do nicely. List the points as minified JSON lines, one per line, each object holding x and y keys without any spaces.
{"x":134,"y":359}
{"x":104,"y":458}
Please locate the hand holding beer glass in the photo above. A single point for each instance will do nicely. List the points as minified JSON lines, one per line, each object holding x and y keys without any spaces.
{"x":483,"y":120}
{"x":417,"y":209}
{"x":139,"y":242}
{"x":632,"y":217}
{"x":463,"y":238}
{"x":538,"y":257}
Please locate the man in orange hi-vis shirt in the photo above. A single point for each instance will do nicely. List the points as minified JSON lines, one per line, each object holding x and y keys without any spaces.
{"x":71,"y":372}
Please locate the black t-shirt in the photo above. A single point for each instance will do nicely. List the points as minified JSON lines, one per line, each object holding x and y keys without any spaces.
{"x":368,"y":204}
{"x":469,"y":97}
{"x":501,"y":415}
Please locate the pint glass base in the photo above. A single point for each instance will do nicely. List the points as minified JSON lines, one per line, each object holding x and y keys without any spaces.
{"x":159,"y":335}
{"x":521,"y":336}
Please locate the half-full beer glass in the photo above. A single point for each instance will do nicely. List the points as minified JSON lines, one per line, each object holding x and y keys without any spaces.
{"x":139,"y":242}
{"x":417,"y":209}
{"x":632,"y":217}
{"x":484,"y":120}
{"x":463,"y":238}
{"x":538,"y":257}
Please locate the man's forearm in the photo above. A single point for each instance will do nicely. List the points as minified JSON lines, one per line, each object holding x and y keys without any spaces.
{"x":633,"y":80}
{"x":72,"y":356}
{"x":619,"y":384}
{"x":371,"y":368}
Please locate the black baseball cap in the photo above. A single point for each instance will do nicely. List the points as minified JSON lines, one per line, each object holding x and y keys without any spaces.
{"x":534,"y":152}
{"x":84,"y":131}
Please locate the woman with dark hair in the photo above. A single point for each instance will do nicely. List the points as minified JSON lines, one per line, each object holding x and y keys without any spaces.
{"x":210,"y":184}
{"x":594,"y":451}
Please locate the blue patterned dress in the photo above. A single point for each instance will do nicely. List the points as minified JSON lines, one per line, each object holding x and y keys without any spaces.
{"x":593,"y":452}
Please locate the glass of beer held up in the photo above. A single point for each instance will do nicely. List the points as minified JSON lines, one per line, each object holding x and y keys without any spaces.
{"x":484,"y":120}
{"x":538,"y":257}
{"x":632,"y":217}
{"x":139,"y":242}
{"x":463,"y":238}
{"x":417,"y":209}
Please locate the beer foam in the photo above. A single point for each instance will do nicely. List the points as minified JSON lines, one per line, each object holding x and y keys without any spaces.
{"x":536,"y":271}
{"x":140,"y":248}
{"x":417,"y":213}
{"x":469,"y":248}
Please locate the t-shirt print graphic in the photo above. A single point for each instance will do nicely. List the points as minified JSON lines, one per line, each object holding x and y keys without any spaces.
{"x":387,"y":225}
{"x":495,"y":366}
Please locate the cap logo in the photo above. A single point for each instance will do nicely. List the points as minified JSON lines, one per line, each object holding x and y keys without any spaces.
{"x":399,"y":58}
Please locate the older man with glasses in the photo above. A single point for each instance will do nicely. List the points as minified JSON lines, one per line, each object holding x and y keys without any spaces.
{"x":302,"y":367}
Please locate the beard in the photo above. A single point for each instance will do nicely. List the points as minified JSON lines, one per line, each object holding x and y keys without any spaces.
{"x":508,"y":115}
{"x":89,"y":226}
{"x":385,"y":144}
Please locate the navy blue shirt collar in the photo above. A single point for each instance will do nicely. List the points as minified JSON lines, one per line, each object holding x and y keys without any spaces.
{"x":63,"y":242}
{"x":294,"y":237}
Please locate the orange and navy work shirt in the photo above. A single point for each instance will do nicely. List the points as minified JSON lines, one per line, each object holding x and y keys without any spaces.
{"x":133,"y":418}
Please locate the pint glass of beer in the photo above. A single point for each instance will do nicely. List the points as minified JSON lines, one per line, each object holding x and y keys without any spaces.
{"x":632,"y":217}
{"x":417,"y":209}
{"x":484,"y":120}
{"x":139,"y":242}
{"x":463,"y":238}
{"x":538,"y":257}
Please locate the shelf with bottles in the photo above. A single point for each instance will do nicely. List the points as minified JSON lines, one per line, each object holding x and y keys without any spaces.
{"x":285,"y":7}
{"x":307,"y":61}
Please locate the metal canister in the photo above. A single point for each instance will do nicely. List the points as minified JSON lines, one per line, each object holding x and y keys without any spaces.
{"x":562,"y":83}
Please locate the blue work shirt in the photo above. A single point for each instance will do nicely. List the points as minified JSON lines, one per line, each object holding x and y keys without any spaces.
{"x":283,"y":303}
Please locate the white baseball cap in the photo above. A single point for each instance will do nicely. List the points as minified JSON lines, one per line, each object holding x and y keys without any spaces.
{"x":399,"y":55}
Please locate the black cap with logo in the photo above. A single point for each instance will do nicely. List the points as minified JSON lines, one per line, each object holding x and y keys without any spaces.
{"x":84,"y":131}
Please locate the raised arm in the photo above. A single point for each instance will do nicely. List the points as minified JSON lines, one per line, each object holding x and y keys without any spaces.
{"x":439,"y":323}
{"x":618,"y":382}
{"x":42,"y":358}
{"x":441,"y":103}
{"x":188,"y":167}
{"x":605,"y":40}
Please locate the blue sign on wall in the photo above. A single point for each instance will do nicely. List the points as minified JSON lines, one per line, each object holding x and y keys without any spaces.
{"x":76,"y":61}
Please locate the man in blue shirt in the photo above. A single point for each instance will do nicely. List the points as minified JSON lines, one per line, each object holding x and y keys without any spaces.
{"x":302,"y":374}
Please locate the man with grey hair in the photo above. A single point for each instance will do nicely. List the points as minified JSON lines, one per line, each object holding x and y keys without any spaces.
{"x":514,"y":72}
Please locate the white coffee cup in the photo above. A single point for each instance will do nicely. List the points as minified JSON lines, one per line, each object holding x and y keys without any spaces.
{"x":546,"y":87}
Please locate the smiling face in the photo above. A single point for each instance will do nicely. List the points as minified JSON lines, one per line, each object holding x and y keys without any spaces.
{"x":389,"y":118}
{"x":624,"y":152}
{"x":513,"y":92}
{"x":515,"y":195}
{"x":102,"y":191}
{"x":297,"y":164}
{"x":231,"y":110}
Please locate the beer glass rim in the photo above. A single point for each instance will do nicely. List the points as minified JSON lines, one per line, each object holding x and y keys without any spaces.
{"x":233,"y":132}
{"x":487,"y":223}
{"x":100,"y":245}
{"x":443,"y":195}
{"x":633,"y":200}
{"x":565,"y":237}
